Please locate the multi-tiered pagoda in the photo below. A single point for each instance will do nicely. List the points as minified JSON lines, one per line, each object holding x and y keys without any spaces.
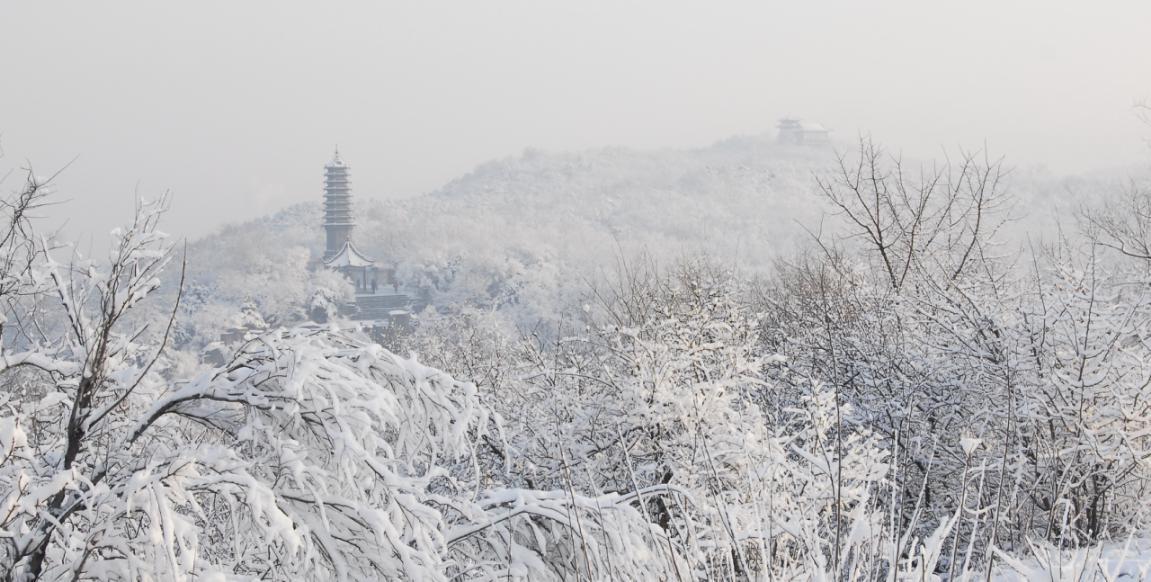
{"x":378,"y":295}
{"x":340,"y":252}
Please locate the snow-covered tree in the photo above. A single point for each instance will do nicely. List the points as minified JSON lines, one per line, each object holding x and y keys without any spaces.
{"x":310,"y":454}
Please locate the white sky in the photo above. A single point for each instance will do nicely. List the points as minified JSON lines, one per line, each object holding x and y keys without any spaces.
{"x":235,"y":106}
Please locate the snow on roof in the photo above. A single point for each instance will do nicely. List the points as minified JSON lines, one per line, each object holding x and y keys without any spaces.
{"x":349,"y":256}
{"x":796,"y":124}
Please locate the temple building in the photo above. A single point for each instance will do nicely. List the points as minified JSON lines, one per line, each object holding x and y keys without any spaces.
{"x":378,"y":296}
{"x":340,"y":252}
{"x":793,"y":131}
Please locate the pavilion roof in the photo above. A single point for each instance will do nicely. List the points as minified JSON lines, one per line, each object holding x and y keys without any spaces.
{"x":349,"y":256}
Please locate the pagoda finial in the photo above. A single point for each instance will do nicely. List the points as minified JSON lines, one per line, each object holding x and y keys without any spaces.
{"x":336,"y":161}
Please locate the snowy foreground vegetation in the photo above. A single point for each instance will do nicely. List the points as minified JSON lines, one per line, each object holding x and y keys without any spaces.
{"x":915,"y":396}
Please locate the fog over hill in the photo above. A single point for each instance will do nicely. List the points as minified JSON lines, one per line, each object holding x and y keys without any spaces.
{"x":539,"y":291}
{"x":529,"y":231}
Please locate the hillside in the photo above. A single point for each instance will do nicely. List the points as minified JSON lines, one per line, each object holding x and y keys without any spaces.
{"x":527,"y":232}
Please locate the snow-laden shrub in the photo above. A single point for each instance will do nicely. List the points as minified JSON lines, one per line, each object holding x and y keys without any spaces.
{"x":661,"y":382}
{"x":329,"y":292}
{"x":309,"y":454}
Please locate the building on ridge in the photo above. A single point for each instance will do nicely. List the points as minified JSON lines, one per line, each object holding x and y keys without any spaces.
{"x":794,"y":131}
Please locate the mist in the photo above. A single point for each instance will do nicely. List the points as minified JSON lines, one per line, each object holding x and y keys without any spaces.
{"x":541,"y":291}
{"x":233,"y":106}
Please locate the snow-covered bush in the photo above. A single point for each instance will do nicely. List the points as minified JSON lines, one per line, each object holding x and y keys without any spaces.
{"x":1008,"y":390}
{"x":309,"y":454}
{"x":661,"y":381}
{"x":328,"y":293}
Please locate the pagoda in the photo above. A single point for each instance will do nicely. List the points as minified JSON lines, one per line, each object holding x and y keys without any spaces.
{"x":379,"y":302}
{"x":340,"y":252}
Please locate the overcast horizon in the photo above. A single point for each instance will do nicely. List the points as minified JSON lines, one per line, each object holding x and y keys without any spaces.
{"x":234,"y":108}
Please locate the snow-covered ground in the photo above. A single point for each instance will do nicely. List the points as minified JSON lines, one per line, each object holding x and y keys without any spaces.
{"x":1126,"y":561}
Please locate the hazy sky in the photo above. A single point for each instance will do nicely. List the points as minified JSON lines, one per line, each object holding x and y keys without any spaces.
{"x":235,"y":106}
